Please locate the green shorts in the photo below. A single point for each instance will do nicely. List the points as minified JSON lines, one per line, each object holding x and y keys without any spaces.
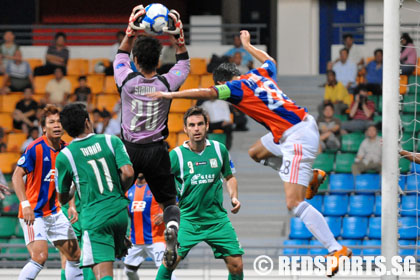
{"x":76,"y":226}
{"x":103,"y":243}
{"x":220,"y":237}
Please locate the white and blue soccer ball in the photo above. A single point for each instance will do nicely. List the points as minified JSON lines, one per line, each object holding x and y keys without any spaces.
{"x":156,"y":18}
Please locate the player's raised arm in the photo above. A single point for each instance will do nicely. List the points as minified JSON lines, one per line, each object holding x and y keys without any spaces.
{"x":130,"y":33}
{"x":260,"y":55}
{"x":198,"y":93}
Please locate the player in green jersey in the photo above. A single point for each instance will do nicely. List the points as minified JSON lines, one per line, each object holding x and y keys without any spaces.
{"x":101,"y":171}
{"x":199,"y":166}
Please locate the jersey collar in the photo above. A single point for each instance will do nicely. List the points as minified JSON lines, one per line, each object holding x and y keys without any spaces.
{"x":87,"y":136}
{"x":188,"y":147}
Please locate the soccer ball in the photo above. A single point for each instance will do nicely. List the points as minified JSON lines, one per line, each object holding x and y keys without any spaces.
{"x":156,"y":18}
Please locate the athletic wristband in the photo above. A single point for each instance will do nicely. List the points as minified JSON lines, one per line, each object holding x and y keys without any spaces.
{"x":25,"y":204}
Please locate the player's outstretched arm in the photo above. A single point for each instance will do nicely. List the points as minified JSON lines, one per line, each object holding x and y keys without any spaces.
{"x":414,"y":157}
{"x":19,"y":185}
{"x":232,"y":188}
{"x":260,"y":55}
{"x":197,"y":93}
{"x":127,"y":176}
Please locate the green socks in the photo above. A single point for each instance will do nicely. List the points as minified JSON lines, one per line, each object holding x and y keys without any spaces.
{"x":163,"y":273}
{"x":63,"y":274}
{"x":88,"y":274}
{"x":236,"y":276}
{"x":106,"y":278}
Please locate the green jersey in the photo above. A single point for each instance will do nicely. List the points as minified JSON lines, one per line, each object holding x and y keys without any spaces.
{"x":93,"y":164}
{"x":199,"y":181}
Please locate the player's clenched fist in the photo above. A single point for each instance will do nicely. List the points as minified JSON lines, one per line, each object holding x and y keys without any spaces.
{"x":245,"y":37}
{"x":136,"y":15}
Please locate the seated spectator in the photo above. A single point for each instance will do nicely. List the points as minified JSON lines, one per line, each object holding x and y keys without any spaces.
{"x":56,"y":57}
{"x":345,"y":70}
{"x":219,"y":118}
{"x":237,"y":60}
{"x":408,"y":55}
{"x":33,"y":135}
{"x":167,"y":58}
{"x":361,"y":113}
{"x":374,"y":73}
{"x":83,"y":93}
{"x":8,"y":48}
{"x":18,"y":74}
{"x":329,"y":129}
{"x":24,"y":115}
{"x":96,"y":120}
{"x":108,"y":125}
{"x":369,"y":154}
{"x":58,"y":89}
{"x":355,"y":53}
{"x":109,"y":71}
{"x":3,"y":146}
{"x":237,"y":47}
{"x":335,"y":93}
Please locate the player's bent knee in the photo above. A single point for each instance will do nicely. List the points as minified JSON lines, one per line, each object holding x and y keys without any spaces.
{"x":253,"y":153}
{"x":40,"y":257}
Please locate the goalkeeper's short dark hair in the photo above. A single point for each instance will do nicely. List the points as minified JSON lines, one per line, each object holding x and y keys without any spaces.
{"x":225,"y":72}
{"x":73,"y":117}
{"x":147,"y":51}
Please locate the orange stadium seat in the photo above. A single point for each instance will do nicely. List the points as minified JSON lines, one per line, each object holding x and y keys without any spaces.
{"x":9,"y":101}
{"x":66,"y":138}
{"x":38,"y":97}
{"x":180,"y":105}
{"x":96,"y":83}
{"x":107,"y":101}
{"x":73,"y":81}
{"x":417,"y":69}
{"x":198,"y":66}
{"x":1,"y":80}
{"x":110,"y":86}
{"x":93,"y":62}
{"x":369,"y":59}
{"x":34,"y":62}
{"x":182,"y":137}
{"x":77,"y":66}
{"x":193,"y":81}
{"x":403,"y":84}
{"x":175,"y":122}
{"x":15,"y":141}
{"x":6,"y":121}
{"x":171,"y":139}
{"x":40,"y":82}
{"x":7,"y":160}
{"x":206,"y":81}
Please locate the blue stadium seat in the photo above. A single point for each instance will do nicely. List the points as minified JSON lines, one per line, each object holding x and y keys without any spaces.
{"x":372,"y":251}
{"x":341,"y":182}
{"x":408,"y":227}
{"x":335,"y":225}
{"x":295,"y":251}
{"x":413,"y":181}
{"x":361,"y":205}
{"x":368,"y":183}
{"x":406,"y":251}
{"x":374,"y":228}
{"x":298,"y":229}
{"x":335,"y":204}
{"x":354,"y":227}
{"x":317,"y":202}
{"x":350,"y":243}
{"x":378,"y":204}
{"x":410,"y":205}
{"x":317,"y":251}
{"x":402,"y":181}
{"x":414,"y":167}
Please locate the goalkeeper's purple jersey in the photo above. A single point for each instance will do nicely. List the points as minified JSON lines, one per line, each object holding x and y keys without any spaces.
{"x":144,"y":120}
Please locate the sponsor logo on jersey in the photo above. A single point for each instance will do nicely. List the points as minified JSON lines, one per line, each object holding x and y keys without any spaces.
{"x":138,"y":206}
{"x":50,"y":176}
{"x":213,"y":163}
{"x":202,"y":179}
{"x":201,"y":163}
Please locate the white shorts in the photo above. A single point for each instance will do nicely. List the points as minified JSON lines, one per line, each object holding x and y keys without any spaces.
{"x":298,"y":147}
{"x":138,"y":253}
{"x":52,"y":228}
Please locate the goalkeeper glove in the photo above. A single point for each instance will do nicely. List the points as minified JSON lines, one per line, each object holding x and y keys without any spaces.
{"x":134,"y":23}
{"x":175,"y":27}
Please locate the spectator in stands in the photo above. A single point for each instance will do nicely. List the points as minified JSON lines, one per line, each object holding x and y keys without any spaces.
{"x":97,"y":121}
{"x":329,"y":129}
{"x":56,"y":57}
{"x":108,"y":125}
{"x":369,"y":154}
{"x":3,"y":146}
{"x":219,"y":118}
{"x":167,"y":58}
{"x":361,"y":112}
{"x":374,"y":73}
{"x":237,"y":47}
{"x":8,"y":48}
{"x":33,"y":134}
{"x":109,"y":71}
{"x":83,"y":92}
{"x":24,"y":115}
{"x":18,"y":74}
{"x":345,"y":70}
{"x":58,"y":89}
{"x":237,"y":60}
{"x":408,"y":56}
{"x":335,"y":93}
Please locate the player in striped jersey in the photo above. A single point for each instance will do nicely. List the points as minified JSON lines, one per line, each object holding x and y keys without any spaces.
{"x":147,"y":228}
{"x":290,"y":146}
{"x":39,"y":211}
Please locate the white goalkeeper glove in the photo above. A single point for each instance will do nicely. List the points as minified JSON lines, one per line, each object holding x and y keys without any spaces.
{"x":174,"y":27}
{"x":134,"y":23}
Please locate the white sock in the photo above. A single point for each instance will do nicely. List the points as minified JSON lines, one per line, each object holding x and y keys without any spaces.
{"x":30,"y":270}
{"x":273,"y":162}
{"x":317,"y":225}
{"x":73,"y":270}
{"x":172,"y":224}
{"x":131,"y":274}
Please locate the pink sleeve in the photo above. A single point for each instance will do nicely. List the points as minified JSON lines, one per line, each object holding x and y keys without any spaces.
{"x":121,"y":67}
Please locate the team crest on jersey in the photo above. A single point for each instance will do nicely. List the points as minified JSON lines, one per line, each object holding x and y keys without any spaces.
{"x":213,"y":163}
{"x":21,"y":160}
